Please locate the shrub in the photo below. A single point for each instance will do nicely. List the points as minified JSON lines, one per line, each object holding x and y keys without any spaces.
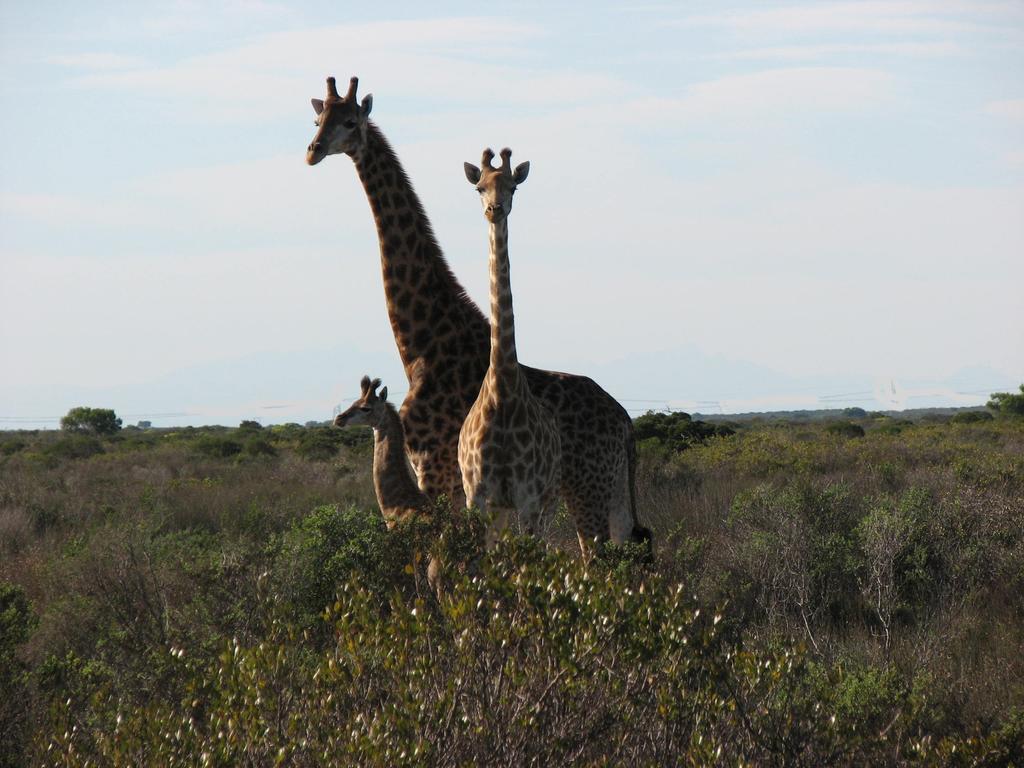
{"x":971,"y":417}
{"x":16,"y":624}
{"x":320,"y":443}
{"x":99,"y":421}
{"x":796,"y":547}
{"x":73,"y":447}
{"x":854,"y":413}
{"x":677,"y":431}
{"x":328,"y":547}
{"x":535,"y":659}
{"x":258,"y":445}
{"x":9,"y":447}
{"x":216,"y":447}
{"x":1008,"y":403}
{"x":845,"y":429}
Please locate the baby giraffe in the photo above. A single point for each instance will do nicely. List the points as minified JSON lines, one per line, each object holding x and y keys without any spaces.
{"x":398,"y":495}
{"x":509,"y":445}
{"x":397,"y":492}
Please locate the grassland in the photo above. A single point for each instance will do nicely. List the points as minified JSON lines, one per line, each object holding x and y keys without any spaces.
{"x":823,"y":593}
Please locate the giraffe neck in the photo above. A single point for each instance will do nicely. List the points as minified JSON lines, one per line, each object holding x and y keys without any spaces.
{"x":504,"y":363}
{"x":424,"y":299}
{"x":392,"y":478}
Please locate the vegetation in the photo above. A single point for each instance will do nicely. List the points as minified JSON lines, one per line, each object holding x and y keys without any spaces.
{"x":98,"y":421}
{"x":1008,"y":403}
{"x":818,"y":598}
{"x":676,"y":431}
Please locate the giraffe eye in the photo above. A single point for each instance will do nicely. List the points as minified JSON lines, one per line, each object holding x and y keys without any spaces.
{"x":365,"y":408}
{"x":350,"y":124}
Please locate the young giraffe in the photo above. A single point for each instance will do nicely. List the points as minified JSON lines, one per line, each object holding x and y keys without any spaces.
{"x":397,"y":492}
{"x":509,"y":446}
{"x":399,"y":497}
{"x":444,"y":343}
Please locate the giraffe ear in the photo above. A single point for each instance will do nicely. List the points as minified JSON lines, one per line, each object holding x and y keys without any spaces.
{"x":318,"y":105}
{"x":367,"y":104}
{"x":384,"y":394}
{"x":472,"y":172}
{"x":521,"y":172}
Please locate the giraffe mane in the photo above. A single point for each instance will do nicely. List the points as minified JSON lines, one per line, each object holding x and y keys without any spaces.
{"x":461,"y":294}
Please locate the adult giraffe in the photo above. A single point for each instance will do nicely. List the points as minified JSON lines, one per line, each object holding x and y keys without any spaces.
{"x":444,"y":342}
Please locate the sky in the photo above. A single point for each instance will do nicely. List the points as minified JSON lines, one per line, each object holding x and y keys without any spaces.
{"x":731,"y":206}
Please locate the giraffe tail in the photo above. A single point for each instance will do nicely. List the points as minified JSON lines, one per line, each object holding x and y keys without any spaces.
{"x":640,"y":534}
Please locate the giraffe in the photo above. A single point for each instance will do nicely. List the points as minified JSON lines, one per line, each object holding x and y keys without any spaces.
{"x":509,"y":446}
{"x":444,"y":342}
{"x":398,"y":495}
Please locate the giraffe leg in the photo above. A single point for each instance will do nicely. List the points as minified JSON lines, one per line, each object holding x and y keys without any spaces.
{"x":435,"y":578}
{"x":530,"y":517}
{"x":499,"y":519}
{"x":619,"y":514}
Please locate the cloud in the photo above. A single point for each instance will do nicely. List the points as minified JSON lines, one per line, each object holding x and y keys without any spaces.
{"x":435,"y":62}
{"x":1008,"y":108}
{"x":780,"y":91}
{"x":98,"y":61}
{"x":826,"y":50}
{"x":915,"y":17}
{"x":68,"y":210}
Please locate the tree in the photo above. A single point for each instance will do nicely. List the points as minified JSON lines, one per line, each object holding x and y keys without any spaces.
{"x":98,"y":421}
{"x":677,"y":431}
{"x":1008,"y":403}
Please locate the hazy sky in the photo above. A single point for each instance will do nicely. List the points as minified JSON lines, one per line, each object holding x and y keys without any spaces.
{"x":755,"y":203}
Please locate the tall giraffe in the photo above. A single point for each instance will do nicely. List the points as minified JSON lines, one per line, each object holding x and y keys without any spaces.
{"x":444,"y":342}
{"x":509,"y":446}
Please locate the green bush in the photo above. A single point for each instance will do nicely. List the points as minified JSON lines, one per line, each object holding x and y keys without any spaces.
{"x":217,"y":447}
{"x":971,"y":417}
{"x":676,"y":431}
{"x":797,"y":551}
{"x":535,"y":659}
{"x":320,"y":443}
{"x":16,"y":624}
{"x":1008,"y":403}
{"x":327,"y":547}
{"x":98,"y":421}
{"x":73,"y":447}
{"x":9,"y":447}
{"x":845,"y":429}
{"x":259,"y":445}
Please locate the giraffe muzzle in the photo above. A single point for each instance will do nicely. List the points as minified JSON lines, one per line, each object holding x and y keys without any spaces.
{"x":315,"y":153}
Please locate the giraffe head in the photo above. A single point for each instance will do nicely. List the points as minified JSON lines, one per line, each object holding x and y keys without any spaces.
{"x":341,"y":122}
{"x":496,"y":185}
{"x":369,"y":410}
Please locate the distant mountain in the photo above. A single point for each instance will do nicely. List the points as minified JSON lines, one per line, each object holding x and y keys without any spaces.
{"x":306,"y":385}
